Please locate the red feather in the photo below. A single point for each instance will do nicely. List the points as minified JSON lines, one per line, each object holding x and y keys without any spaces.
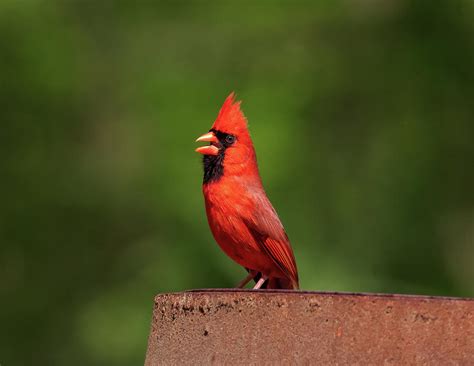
{"x":242,"y":219}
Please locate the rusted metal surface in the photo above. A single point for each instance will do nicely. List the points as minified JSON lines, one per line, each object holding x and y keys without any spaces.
{"x":309,"y":328}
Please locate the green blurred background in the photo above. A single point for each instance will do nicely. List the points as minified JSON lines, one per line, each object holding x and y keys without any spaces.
{"x":362,"y":115}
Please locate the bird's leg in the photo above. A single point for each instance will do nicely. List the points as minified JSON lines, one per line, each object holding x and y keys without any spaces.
{"x":247,"y":279}
{"x":260,"y":282}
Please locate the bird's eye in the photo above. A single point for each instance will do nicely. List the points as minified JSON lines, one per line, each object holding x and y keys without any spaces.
{"x":230,"y":139}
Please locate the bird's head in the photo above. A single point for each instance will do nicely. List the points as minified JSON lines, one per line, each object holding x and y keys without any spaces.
{"x":229,"y":139}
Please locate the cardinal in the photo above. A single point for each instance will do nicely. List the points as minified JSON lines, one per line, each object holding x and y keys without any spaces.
{"x":241,"y":217}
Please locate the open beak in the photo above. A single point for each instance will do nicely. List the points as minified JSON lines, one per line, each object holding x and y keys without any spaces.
{"x":209,"y":149}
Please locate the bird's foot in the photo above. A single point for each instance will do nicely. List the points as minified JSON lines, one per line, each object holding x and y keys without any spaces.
{"x":260,"y":283}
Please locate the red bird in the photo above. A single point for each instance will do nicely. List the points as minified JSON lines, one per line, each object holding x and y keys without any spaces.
{"x":242,"y":219}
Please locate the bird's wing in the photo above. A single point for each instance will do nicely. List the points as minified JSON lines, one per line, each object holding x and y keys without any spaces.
{"x":268,"y":232}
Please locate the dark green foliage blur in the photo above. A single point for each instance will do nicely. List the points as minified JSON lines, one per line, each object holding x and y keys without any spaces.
{"x":362,"y":113}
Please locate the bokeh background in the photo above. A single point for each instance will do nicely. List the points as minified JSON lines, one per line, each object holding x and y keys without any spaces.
{"x":362,"y":115}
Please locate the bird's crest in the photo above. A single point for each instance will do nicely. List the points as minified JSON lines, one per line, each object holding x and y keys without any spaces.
{"x":230,"y":118}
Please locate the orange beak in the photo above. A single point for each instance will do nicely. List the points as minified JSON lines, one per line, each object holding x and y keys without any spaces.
{"x":209,"y":149}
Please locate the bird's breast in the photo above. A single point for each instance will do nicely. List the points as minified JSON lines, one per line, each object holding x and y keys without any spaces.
{"x":229,"y":207}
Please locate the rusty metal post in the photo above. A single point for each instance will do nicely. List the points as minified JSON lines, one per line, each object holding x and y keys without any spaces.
{"x":309,"y":328}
